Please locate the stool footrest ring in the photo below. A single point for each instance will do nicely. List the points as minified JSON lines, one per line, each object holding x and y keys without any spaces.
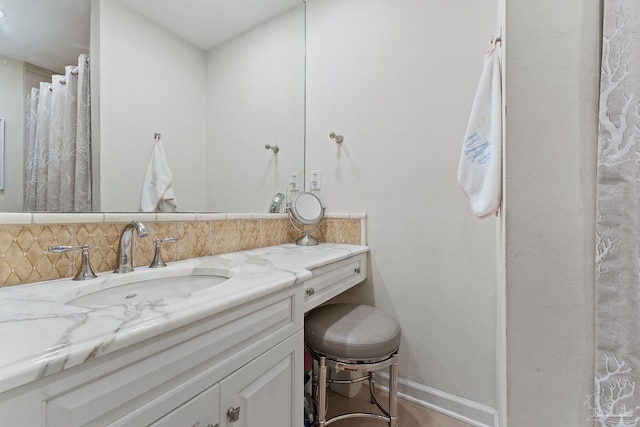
{"x":320,"y":382}
{"x":351,"y":381}
{"x":356,"y":415}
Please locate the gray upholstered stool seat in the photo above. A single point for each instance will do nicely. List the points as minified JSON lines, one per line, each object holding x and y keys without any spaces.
{"x":353,"y":338}
{"x":352,"y":331}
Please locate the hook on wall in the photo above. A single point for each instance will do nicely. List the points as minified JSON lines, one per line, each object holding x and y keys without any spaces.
{"x":495,"y":40}
{"x":156,"y":136}
{"x":275,"y":148}
{"x":338,"y":138}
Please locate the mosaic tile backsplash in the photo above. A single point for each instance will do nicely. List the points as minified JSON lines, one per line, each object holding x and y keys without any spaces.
{"x":24,"y":257}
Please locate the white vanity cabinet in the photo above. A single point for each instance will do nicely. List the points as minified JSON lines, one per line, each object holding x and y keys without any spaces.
{"x":246,"y":361}
{"x":262,"y":393}
{"x":231,"y":356}
{"x":267,"y":392}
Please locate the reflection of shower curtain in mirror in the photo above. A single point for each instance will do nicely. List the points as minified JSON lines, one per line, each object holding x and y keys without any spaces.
{"x":58,"y":153}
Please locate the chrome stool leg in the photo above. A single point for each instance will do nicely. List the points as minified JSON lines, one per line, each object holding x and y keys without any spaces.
{"x":322,"y":391}
{"x":393,"y":392}
{"x":372,"y":387}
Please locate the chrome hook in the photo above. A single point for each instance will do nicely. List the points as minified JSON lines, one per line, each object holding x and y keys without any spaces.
{"x":338,"y":138}
{"x":275,"y":148}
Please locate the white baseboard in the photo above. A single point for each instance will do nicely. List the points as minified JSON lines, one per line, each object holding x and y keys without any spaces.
{"x":470,"y":412}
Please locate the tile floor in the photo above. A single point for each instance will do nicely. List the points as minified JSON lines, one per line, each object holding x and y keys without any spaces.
{"x":409,"y":414}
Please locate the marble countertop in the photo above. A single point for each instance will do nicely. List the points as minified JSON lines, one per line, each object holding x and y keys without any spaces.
{"x":42,"y":335}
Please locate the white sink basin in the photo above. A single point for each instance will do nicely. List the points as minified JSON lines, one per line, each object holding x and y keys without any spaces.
{"x":145,"y":291}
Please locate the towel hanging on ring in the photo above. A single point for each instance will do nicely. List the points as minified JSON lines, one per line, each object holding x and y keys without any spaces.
{"x":480,"y":167}
{"x":158,"y":194}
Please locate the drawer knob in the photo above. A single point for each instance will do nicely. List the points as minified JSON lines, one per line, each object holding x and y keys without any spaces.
{"x":233,"y":414}
{"x":310,"y":291}
{"x":211,"y":425}
{"x":357,"y":270}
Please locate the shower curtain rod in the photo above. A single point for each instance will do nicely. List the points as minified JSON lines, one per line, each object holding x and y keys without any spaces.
{"x":74,"y":72}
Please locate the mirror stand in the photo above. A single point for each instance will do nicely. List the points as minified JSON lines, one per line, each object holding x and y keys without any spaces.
{"x":307,"y":239}
{"x":307,"y":210}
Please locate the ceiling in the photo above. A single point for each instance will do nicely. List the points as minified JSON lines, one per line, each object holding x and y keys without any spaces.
{"x":52,"y":33}
{"x":207,"y":23}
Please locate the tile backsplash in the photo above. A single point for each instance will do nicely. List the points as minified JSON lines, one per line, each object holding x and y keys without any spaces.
{"x":24,"y":239}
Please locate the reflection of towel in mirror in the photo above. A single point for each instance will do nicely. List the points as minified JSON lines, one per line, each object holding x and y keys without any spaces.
{"x":480,"y":167}
{"x":157,"y":191}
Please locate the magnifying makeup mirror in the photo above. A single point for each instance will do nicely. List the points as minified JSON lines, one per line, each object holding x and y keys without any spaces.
{"x":307,"y":210}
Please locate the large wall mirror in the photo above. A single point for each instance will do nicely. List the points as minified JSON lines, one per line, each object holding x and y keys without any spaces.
{"x":219,"y":80}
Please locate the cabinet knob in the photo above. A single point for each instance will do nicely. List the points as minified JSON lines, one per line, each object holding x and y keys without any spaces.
{"x":357,"y":270}
{"x":233,"y":414}
{"x":310,"y":291}
{"x":211,"y":425}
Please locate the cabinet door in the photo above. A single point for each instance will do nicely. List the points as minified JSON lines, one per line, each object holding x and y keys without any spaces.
{"x":201,"y":411}
{"x":268,"y":392}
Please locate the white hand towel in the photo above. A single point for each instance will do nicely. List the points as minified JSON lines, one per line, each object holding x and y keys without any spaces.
{"x":157,"y":191}
{"x":480,"y":167}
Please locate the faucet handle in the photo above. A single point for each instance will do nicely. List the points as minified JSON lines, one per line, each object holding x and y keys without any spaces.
{"x":157,"y":258}
{"x":85,"y":272}
{"x":169,"y":240}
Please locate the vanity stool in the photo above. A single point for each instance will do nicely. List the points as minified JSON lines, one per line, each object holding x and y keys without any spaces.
{"x":353,"y":338}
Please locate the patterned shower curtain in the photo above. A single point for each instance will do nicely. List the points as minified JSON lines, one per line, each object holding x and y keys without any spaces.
{"x":58,"y":143}
{"x":616,"y":398}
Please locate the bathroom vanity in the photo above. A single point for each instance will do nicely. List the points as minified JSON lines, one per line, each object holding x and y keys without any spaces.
{"x":229,"y":354}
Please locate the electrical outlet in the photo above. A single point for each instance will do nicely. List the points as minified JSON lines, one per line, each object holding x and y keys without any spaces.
{"x":294,"y":181}
{"x":315,"y":180}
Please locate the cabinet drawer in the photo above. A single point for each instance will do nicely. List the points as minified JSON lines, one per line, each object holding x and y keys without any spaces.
{"x":330,"y":280}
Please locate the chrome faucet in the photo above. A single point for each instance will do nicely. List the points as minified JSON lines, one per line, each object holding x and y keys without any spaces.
{"x":125,"y":248}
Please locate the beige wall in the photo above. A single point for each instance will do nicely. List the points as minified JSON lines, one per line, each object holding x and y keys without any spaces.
{"x":255,"y":96}
{"x":551,"y":87}
{"x":397,"y":79}
{"x":12,"y":111}
{"x":150,"y":81}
